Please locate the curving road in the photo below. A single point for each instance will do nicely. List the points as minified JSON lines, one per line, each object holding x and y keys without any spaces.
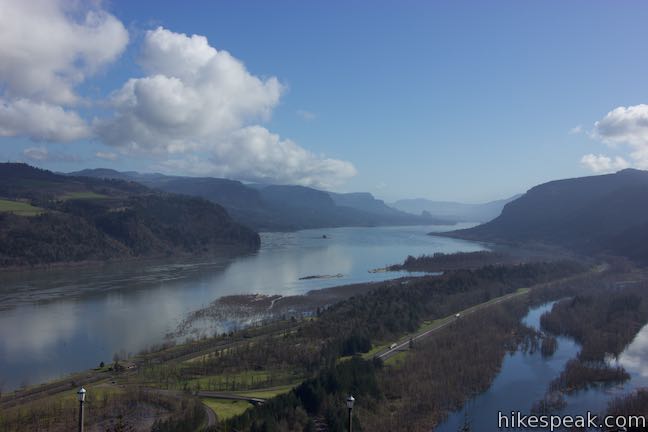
{"x":211,"y":416}
{"x":230,"y":396}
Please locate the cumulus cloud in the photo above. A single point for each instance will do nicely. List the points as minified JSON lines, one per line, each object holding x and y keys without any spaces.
{"x":41,"y":154}
{"x":40,"y":121}
{"x":253,"y":153}
{"x":196,"y":107}
{"x":626,"y":127}
{"x":604,"y":164}
{"x":199,"y":107}
{"x":107,"y":156}
{"x":47,"y":47}
{"x":192,"y":94}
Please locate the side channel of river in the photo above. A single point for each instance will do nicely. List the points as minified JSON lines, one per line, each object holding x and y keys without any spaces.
{"x":525,"y":377}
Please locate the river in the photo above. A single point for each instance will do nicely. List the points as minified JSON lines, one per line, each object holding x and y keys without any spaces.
{"x":524,"y":378}
{"x":54,"y":322}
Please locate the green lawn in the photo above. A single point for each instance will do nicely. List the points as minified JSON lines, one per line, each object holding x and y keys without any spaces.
{"x":226,"y":409}
{"x":267,"y":393}
{"x":82,"y":196}
{"x":397,"y":360}
{"x":19,"y":208}
{"x":245,"y":381}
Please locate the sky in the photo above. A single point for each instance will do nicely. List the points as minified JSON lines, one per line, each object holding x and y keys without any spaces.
{"x":447,"y":100}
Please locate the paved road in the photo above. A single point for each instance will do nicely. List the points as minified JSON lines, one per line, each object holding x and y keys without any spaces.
{"x":230,"y":396}
{"x":404,"y":343}
{"x":211,"y":415}
{"x":446,"y":322}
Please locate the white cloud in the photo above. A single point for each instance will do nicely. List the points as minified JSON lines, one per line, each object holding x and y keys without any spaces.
{"x":253,"y":153}
{"x":195,"y":106}
{"x":42,"y":154}
{"x":193,"y":93}
{"x":626,"y":126}
{"x":604,"y":164}
{"x":196,"y":100}
{"x":41,"y":121}
{"x":306,"y":115}
{"x":576,"y":130}
{"x":47,"y":47}
{"x":45,"y":50}
{"x":36,"y":153}
{"x":107,"y":156}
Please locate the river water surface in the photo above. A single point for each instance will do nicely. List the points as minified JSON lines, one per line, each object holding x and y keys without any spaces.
{"x":525,"y":377}
{"x":54,"y":322}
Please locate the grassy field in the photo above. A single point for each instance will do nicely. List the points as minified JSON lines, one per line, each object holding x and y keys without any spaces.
{"x":226,"y":409}
{"x":268,"y":392}
{"x":82,"y":196}
{"x":19,"y":208}
{"x":245,"y":381}
{"x":397,"y":360}
{"x":51,"y":407}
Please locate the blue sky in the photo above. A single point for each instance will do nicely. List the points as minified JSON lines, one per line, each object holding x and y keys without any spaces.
{"x":467,"y":101}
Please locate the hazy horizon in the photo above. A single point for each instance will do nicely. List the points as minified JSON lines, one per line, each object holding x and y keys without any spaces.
{"x":453,"y":101}
{"x":377,"y":196}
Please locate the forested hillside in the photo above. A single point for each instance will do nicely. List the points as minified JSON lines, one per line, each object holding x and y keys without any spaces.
{"x":71,"y":219}
{"x":600,"y":214}
{"x":277,"y":207}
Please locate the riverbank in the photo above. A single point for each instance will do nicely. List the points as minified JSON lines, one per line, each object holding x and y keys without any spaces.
{"x":551,"y":383}
{"x":242,"y":310}
{"x":288,"y":351}
{"x":86,"y":315}
{"x":223,"y":252}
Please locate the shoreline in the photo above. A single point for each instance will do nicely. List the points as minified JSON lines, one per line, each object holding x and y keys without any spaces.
{"x":248,"y":310}
{"x":268,"y":309}
{"x":181,"y":257}
{"x":227,"y":251}
{"x":311,"y":300}
{"x":182,"y":355}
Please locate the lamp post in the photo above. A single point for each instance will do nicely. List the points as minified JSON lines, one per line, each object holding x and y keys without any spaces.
{"x":350,"y":400}
{"x":81,"y":394}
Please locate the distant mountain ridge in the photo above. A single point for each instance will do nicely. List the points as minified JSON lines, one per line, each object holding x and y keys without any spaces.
{"x":366,"y":202}
{"x":68,"y":219}
{"x":596,"y":214}
{"x":277,"y":207}
{"x":456,"y":211}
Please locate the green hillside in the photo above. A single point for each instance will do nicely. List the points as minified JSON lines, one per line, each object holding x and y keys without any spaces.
{"x":74,"y":219}
{"x":19,"y":208}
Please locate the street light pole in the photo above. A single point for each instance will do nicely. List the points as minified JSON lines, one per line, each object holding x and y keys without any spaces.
{"x":81,"y":393}
{"x":350,"y":400}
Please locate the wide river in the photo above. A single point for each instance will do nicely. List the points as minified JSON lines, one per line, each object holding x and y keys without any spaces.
{"x":54,"y":322}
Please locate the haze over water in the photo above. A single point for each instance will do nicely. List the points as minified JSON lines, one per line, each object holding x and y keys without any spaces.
{"x":54,"y":322}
